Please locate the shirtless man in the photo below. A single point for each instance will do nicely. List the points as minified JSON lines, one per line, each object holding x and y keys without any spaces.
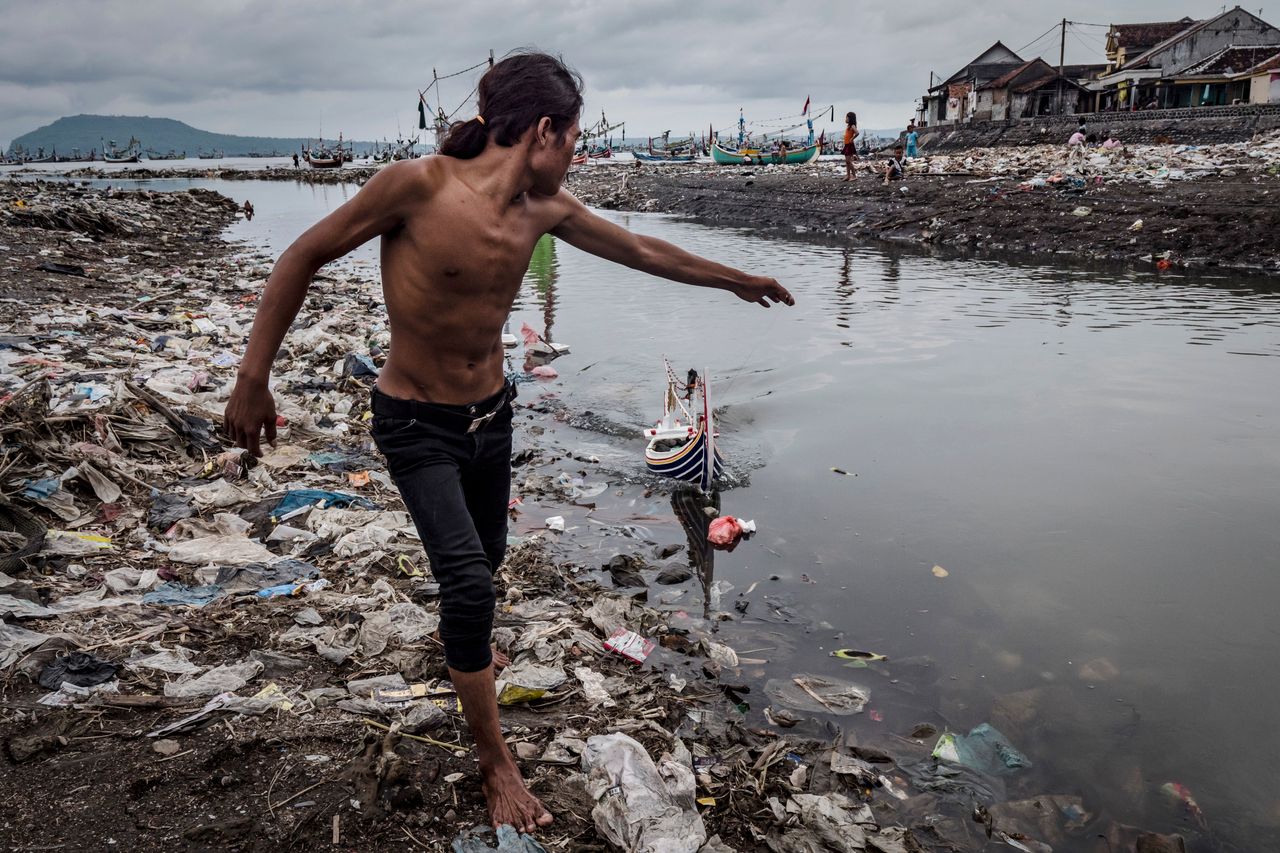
{"x":457,"y":233}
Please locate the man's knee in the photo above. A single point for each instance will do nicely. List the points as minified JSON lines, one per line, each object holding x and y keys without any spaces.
{"x":466,"y":619}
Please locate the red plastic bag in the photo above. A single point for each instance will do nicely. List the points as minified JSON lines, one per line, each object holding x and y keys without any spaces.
{"x":724,"y":531}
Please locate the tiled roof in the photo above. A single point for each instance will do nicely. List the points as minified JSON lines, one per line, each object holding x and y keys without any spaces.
{"x":1078,"y":71}
{"x":1148,"y":35}
{"x":1032,"y":85}
{"x":1233,"y":60}
{"x":1008,"y":77}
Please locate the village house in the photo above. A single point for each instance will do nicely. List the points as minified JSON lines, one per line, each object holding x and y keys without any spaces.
{"x":1205,"y":63}
{"x":1126,"y":41}
{"x":1230,"y":58}
{"x":1031,"y":89}
{"x":955,"y":98}
{"x":1264,"y":84}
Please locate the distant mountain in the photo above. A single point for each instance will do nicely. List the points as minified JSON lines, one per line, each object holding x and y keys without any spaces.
{"x":87,"y":132}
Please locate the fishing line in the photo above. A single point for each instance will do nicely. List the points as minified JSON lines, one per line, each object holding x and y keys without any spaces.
{"x":768,"y":330}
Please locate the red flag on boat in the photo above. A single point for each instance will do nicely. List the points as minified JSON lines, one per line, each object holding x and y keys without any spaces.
{"x":530,"y":336}
{"x":806,"y":104}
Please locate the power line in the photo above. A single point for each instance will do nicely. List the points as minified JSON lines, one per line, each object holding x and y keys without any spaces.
{"x":1090,"y":47}
{"x":1033,"y":41}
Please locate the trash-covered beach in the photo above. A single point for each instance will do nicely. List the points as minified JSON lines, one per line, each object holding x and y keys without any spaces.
{"x":1133,"y":205}
{"x":203,"y":650}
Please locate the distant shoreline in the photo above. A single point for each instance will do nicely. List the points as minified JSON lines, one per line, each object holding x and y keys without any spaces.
{"x":994,"y":203}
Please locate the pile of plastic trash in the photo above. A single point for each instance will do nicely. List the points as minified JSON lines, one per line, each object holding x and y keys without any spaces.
{"x":1146,"y":164}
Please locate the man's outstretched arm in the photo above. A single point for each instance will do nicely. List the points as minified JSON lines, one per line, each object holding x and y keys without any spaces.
{"x":378,"y":208}
{"x":591,"y":233}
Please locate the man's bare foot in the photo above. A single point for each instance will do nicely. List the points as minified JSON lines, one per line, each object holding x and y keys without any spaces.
{"x":510,"y":801}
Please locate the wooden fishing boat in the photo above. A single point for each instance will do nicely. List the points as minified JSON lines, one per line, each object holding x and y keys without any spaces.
{"x":77,"y":157}
{"x":683,"y":443}
{"x":652,"y":156}
{"x":322,"y":159}
{"x":756,"y":156}
{"x":209,"y":155}
{"x":583,"y":156}
{"x":172,"y":155}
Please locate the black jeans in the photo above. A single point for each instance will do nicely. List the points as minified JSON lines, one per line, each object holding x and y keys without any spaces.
{"x":456,"y":485}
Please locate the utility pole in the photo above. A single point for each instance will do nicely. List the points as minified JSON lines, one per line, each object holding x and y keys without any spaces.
{"x":1062,"y":52}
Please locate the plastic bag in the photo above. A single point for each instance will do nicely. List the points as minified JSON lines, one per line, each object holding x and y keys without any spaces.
{"x":983,"y":748}
{"x":509,"y":841}
{"x":641,"y":807}
{"x":79,"y":669}
{"x":725,"y":531}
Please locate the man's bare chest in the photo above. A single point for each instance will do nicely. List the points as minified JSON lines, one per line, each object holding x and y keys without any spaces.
{"x":453,"y":244}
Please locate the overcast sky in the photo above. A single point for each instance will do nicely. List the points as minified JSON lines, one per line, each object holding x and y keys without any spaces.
{"x":285,"y":68}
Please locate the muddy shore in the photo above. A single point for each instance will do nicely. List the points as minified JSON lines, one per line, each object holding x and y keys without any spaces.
{"x":117,"y":357}
{"x":1223,"y":221}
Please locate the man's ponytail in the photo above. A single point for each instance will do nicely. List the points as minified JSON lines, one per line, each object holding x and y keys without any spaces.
{"x":466,"y":139}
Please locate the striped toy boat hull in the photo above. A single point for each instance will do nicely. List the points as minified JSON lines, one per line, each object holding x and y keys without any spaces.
{"x":687,"y":463}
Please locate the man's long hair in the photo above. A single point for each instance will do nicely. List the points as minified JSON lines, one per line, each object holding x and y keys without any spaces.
{"x":514,"y":94}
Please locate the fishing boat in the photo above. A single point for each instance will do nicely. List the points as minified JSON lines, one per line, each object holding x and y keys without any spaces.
{"x":652,"y":156}
{"x":131,"y":153}
{"x":209,"y":155}
{"x":172,"y":155}
{"x":77,"y":157}
{"x":42,"y":157}
{"x":683,"y":443}
{"x":323,"y":160}
{"x":320,"y":157}
{"x":759,"y":157}
{"x":583,"y":156}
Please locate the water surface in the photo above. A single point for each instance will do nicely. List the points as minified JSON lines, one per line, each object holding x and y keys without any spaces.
{"x":1094,"y":458}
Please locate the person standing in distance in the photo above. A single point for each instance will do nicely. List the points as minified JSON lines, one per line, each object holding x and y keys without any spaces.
{"x":850,"y":150}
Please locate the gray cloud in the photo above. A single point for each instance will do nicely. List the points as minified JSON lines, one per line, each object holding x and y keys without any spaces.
{"x":282,"y":68}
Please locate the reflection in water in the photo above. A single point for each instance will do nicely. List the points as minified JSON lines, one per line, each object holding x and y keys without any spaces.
{"x":845,"y":292}
{"x":690,"y":506}
{"x":543,"y":270}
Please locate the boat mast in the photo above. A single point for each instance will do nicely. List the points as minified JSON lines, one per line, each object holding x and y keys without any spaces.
{"x":709,"y":463}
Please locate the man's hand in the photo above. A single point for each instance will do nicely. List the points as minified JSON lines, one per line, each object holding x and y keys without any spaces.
{"x":762,"y":290}
{"x":250,"y":410}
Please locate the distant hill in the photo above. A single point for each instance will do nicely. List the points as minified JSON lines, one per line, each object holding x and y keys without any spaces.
{"x":86,"y":132}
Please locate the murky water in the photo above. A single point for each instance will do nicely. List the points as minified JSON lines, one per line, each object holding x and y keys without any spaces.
{"x":1093,"y":458}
